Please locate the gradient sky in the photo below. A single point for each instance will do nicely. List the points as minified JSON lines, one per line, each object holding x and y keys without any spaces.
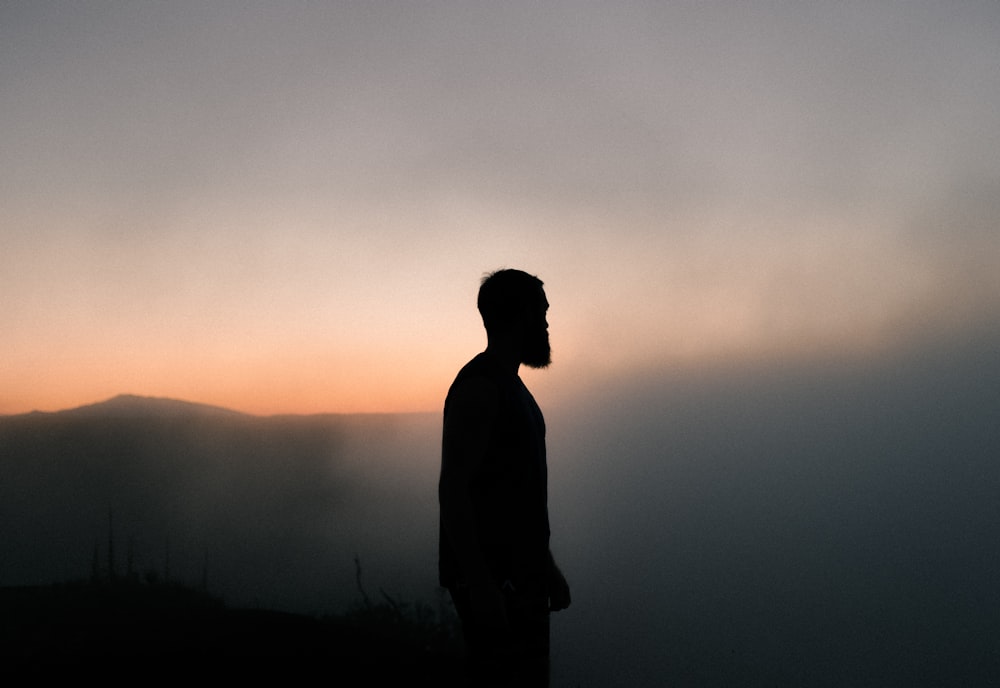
{"x":287,"y":207}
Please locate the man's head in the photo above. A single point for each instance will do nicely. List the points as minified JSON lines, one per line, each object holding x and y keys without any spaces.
{"x":513,"y":305}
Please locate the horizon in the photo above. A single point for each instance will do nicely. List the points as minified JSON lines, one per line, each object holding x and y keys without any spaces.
{"x":110,"y":402}
{"x":561,"y":385}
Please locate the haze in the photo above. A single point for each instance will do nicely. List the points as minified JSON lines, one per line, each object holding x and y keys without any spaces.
{"x":780,"y":525}
{"x":768,"y":232}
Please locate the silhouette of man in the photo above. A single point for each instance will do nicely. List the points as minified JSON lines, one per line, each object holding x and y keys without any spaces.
{"x":494,"y":541}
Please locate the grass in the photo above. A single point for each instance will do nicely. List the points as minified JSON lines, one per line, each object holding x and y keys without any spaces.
{"x":102,"y":627}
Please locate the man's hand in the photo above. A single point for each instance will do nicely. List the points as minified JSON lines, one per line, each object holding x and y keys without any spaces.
{"x":559,"y":598}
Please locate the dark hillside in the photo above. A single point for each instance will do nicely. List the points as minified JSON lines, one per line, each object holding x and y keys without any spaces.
{"x":95,"y":627}
{"x":262,"y":511}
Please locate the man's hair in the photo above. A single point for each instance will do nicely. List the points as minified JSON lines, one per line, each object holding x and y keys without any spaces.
{"x":504,"y":296}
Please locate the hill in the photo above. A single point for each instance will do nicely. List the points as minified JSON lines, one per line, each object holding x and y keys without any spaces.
{"x":106,"y":628}
{"x":264,"y":511}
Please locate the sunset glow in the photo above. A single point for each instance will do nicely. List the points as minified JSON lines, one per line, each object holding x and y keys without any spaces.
{"x":289,"y":212}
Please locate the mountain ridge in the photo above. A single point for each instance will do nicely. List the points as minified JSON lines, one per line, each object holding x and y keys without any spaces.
{"x":135,"y":405}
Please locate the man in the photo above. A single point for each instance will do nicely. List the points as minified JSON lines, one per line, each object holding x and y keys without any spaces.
{"x":494,"y":546}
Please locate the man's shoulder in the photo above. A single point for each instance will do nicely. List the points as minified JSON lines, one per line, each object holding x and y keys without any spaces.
{"x":481,"y":366}
{"x":476,"y":386}
{"x":476,"y":376}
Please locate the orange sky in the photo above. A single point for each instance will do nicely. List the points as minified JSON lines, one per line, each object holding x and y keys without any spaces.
{"x":290,"y":211}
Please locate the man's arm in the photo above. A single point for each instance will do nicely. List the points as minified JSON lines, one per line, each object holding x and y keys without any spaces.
{"x":472,"y":409}
{"x":559,"y":598}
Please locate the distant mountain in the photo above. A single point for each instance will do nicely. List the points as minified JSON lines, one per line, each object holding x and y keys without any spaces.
{"x":132,"y":405}
{"x":266,"y":510}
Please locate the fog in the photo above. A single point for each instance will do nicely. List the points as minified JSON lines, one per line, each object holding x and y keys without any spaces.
{"x":784,"y":524}
{"x":812,"y":525}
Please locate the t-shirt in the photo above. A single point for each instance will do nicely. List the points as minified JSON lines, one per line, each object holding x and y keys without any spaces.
{"x":510,"y":489}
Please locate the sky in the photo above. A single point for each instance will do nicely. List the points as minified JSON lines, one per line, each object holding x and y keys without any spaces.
{"x":287,"y":207}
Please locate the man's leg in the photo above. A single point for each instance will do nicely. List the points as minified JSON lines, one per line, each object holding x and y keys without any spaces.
{"x":518,"y":656}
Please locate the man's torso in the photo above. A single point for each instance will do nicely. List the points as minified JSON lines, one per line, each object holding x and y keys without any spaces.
{"x":509,"y":492}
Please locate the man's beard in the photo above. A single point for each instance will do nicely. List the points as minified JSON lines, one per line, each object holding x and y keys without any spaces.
{"x":537,"y":352}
